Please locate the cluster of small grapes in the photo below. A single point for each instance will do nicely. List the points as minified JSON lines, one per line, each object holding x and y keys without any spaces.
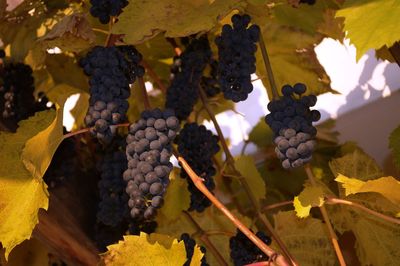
{"x":190,"y":243}
{"x":104,"y":9}
{"x":2,"y":53}
{"x":113,"y":205}
{"x":309,"y":2}
{"x":17,"y":89}
{"x":111,"y":70}
{"x":236,"y":55}
{"x":243,"y":251}
{"x":182,"y":94}
{"x":148,"y":151}
{"x":197,"y":146}
{"x":210,"y":82}
{"x":291,"y":121}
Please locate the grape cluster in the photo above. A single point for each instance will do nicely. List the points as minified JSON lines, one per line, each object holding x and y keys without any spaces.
{"x":148,"y":151}
{"x":113,"y":200}
{"x":111,"y":70}
{"x":236,"y":55}
{"x":197,"y":146}
{"x":210,"y":82}
{"x":187,"y":71}
{"x":2,"y":53}
{"x":291,"y":121}
{"x":243,"y":251}
{"x":104,"y":9}
{"x":309,"y":2}
{"x":17,"y":91}
{"x":190,"y":243}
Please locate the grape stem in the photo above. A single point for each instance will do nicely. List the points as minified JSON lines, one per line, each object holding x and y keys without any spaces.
{"x":204,"y":238}
{"x":143,"y":90}
{"x":84,"y":130}
{"x":267,"y":63}
{"x":231,"y":163}
{"x":154,"y":76}
{"x":277,"y":258}
{"x":325,"y":216}
{"x":176,"y":47}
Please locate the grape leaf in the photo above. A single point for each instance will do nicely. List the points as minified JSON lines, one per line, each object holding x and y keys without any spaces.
{"x":39,"y":150}
{"x":177,"y":198}
{"x":21,"y":195}
{"x":356,"y":164}
{"x":394,"y":144}
{"x":371,"y":24}
{"x":80,"y":109}
{"x":176,"y":18}
{"x":305,"y":238}
{"x":246,"y":166}
{"x":73,"y":33}
{"x":305,"y":17}
{"x":136,"y":250}
{"x":292,"y":57}
{"x":311,"y":196}
{"x":30,"y":252}
{"x":261,"y":134}
{"x":388,"y":186}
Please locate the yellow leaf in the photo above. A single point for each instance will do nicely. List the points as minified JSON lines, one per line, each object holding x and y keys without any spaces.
{"x":246,"y":166}
{"x":21,"y":195}
{"x":387,"y":186}
{"x":197,"y":256}
{"x":177,"y":198}
{"x":137,"y":251}
{"x":305,"y":238}
{"x":311,"y":196}
{"x":39,"y":150}
{"x":142,"y":20}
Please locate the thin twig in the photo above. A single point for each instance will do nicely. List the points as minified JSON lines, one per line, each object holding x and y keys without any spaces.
{"x":330,"y":200}
{"x":277,"y":205}
{"x":154,"y":76}
{"x":143,"y":90}
{"x":204,"y":238}
{"x":84,"y":130}
{"x":219,"y":233}
{"x":176,"y":47}
{"x":327,"y":221}
{"x":267,"y":63}
{"x":100,"y":30}
{"x":231,"y":162}
{"x":279,"y":259}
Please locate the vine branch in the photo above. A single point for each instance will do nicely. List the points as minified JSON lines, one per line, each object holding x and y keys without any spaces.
{"x":231,"y":162}
{"x":154,"y":76}
{"x":143,"y":90}
{"x":204,"y":238}
{"x":279,"y":259}
{"x":84,"y":130}
{"x":325,"y":216}
{"x":267,"y":63}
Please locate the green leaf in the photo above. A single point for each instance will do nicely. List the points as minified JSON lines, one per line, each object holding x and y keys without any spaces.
{"x":177,"y":198}
{"x":311,"y":196}
{"x":21,"y":195}
{"x":371,"y":24}
{"x":261,"y":134}
{"x":141,"y":21}
{"x":305,"y":238}
{"x":246,"y":166}
{"x":136,"y":250}
{"x":356,"y":164}
{"x":387,"y":186}
{"x":305,"y":17}
{"x":73,"y":33}
{"x":394,"y":144}
{"x":292,"y":57}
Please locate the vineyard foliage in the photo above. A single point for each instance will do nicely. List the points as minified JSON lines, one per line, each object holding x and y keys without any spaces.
{"x":52,"y":36}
